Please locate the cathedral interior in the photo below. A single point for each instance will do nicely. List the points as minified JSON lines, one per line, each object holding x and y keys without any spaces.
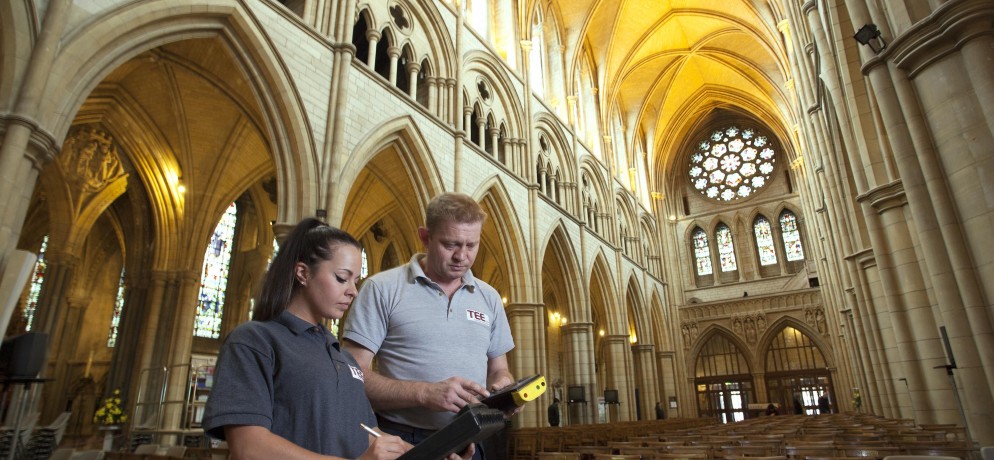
{"x":713,"y":206}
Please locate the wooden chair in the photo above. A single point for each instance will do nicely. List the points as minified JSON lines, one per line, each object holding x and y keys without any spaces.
{"x":62,"y":453}
{"x":558,"y":456}
{"x":748,"y":457}
{"x":919,"y":457}
{"x":877,"y":452}
{"x":175,"y":451}
{"x":743,"y":451}
{"x":954,"y":451}
{"x":147,"y":449}
{"x":525,"y":445}
{"x":682,"y":456}
{"x":803,"y":452}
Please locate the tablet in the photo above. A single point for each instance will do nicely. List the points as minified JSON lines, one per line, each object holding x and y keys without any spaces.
{"x":517,"y":394}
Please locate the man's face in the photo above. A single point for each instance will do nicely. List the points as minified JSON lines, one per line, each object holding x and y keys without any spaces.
{"x":451,"y":249}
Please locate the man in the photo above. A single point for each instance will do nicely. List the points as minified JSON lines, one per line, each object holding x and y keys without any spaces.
{"x":823,"y":405}
{"x":660,"y":413}
{"x":554,"y":412}
{"x":439,"y":335}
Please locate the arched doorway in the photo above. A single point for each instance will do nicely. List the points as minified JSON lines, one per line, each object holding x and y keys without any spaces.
{"x":796,"y":369}
{"x":723,"y":380}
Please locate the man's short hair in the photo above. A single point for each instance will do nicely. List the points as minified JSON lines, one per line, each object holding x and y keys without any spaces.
{"x":453,"y":207}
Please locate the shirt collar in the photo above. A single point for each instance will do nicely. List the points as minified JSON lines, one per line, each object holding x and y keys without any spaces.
{"x":299,"y":326}
{"x":415,"y":273}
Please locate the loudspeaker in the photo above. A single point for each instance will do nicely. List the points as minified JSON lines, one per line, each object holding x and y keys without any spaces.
{"x":611,"y":397}
{"x":23,"y":356}
{"x":575,"y":394}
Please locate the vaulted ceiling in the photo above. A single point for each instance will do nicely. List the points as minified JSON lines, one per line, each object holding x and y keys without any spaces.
{"x":667,"y":65}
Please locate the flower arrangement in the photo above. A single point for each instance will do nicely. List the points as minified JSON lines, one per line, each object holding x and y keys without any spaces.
{"x":857,"y":400}
{"x":110,"y":412}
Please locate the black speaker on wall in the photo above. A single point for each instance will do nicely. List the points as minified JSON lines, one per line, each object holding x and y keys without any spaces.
{"x":575,"y":394}
{"x":611,"y":397}
{"x":23,"y":356}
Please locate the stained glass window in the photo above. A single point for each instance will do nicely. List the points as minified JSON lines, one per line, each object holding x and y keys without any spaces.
{"x":365,"y":266}
{"x":791,"y":237}
{"x":115,"y":319}
{"x":702,"y":252}
{"x":726,"y":250}
{"x":214,"y":277}
{"x":37,"y":280}
{"x":731,"y":163}
{"x":764,"y":241}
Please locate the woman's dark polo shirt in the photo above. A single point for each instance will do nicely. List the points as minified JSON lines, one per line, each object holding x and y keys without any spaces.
{"x":290,"y":377}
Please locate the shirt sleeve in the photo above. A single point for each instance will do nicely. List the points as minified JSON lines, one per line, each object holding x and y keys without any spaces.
{"x":501,"y":341}
{"x":243,"y":388}
{"x":366,"y":323}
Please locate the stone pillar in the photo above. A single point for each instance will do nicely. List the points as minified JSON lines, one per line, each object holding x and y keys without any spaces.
{"x":493,"y":133}
{"x":26,"y":147}
{"x":433,"y":96}
{"x":579,"y":342}
{"x":394,"y":54}
{"x":184,"y":312}
{"x":619,"y":375}
{"x":646,"y":382}
{"x":528,"y":329}
{"x":373,"y":36}
{"x":412,"y":69}
{"x":451,"y":99}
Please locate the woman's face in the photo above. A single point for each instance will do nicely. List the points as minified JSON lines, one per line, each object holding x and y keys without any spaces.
{"x":329,"y":287}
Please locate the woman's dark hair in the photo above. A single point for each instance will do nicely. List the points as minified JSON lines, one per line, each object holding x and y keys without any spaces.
{"x":311,"y":241}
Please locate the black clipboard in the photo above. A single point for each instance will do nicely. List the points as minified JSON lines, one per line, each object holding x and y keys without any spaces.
{"x":474,"y":423}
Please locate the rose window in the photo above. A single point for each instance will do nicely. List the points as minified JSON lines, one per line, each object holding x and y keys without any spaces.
{"x":732,"y":163}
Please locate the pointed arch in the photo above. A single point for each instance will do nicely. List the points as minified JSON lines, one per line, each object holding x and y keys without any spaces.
{"x":408,"y":164}
{"x":503,"y":92}
{"x":602,"y":294}
{"x":639,"y":316}
{"x":507,"y":239}
{"x":89,"y":54}
{"x":558,"y":249}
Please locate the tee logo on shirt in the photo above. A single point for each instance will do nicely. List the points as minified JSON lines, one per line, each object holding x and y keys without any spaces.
{"x":357,"y":373}
{"x":477,"y":316}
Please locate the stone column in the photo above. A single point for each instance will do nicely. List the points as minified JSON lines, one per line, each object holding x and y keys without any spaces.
{"x":412,"y":69}
{"x":619,"y":375}
{"x":579,"y":342}
{"x":451,"y":99}
{"x":433,"y":96}
{"x":493,"y":133}
{"x":25,"y":146}
{"x":394,"y":54}
{"x":646,"y":382}
{"x":373,"y":36}
{"x":528,"y":329}
{"x":178,"y":349}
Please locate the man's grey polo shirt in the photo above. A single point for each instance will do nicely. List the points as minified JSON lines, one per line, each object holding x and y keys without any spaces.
{"x":290,"y":377}
{"x":417,"y":333}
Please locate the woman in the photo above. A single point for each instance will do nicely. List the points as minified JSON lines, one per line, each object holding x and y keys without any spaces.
{"x":283,"y":387}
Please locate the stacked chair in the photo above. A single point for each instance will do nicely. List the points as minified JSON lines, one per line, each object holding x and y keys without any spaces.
{"x":46,"y":439}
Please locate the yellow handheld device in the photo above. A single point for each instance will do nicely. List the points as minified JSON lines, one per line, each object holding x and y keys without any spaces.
{"x":517,"y":394}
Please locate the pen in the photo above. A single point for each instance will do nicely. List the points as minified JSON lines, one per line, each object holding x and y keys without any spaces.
{"x":370,"y":430}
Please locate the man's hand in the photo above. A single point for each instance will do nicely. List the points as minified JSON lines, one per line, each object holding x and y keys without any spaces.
{"x":451,"y":394}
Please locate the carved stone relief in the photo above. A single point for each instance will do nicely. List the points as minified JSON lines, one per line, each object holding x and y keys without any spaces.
{"x":89,"y":160}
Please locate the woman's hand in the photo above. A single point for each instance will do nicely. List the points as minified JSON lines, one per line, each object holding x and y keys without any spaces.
{"x":466,"y":454}
{"x":386,"y":447}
